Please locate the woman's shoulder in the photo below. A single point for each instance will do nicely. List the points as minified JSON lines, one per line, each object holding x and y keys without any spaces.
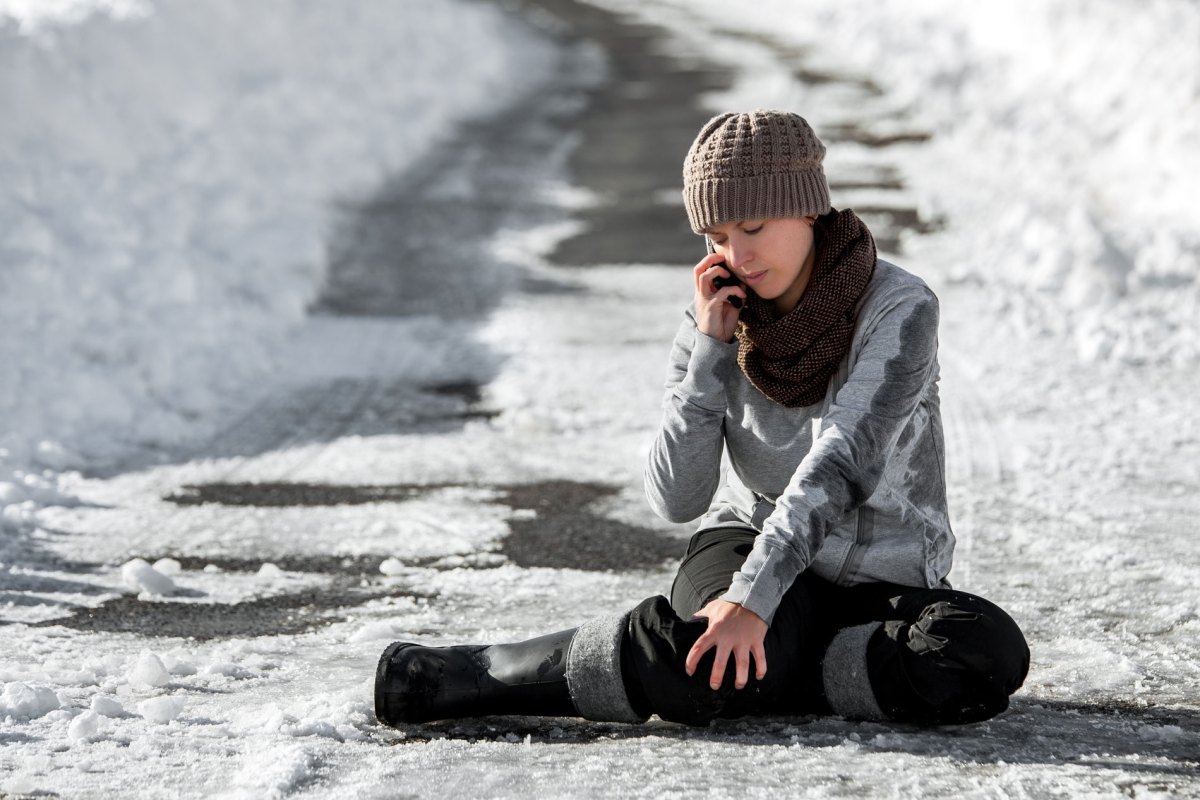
{"x":892,"y":286}
{"x":891,"y":278}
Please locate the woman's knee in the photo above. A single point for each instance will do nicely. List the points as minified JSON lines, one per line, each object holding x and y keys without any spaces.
{"x":653,"y":657}
{"x":949,"y":657}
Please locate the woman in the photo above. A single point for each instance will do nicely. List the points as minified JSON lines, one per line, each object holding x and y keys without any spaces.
{"x":816,"y":582}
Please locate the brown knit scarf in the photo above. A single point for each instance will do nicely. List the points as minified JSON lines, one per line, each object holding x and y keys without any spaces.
{"x":792,"y":358}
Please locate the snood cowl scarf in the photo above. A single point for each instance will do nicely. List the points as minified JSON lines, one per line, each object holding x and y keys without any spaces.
{"x":791,"y":359}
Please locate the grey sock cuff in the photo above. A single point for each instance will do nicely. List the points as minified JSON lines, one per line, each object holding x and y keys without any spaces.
{"x":594,"y":671}
{"x":844,"y":673}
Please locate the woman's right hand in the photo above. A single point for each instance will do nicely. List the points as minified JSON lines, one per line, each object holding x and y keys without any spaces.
{"x":715,"y":315}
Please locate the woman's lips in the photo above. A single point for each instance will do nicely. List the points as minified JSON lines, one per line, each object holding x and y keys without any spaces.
{"x":754,"y":277}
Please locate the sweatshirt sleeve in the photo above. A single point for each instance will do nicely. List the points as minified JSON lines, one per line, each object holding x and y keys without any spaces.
{"x":844,"y":465}
{"x":684,"y":466}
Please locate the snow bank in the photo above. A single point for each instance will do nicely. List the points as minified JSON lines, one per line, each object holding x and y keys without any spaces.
{"x":1065,"y":150}
{"x":168,"y":174}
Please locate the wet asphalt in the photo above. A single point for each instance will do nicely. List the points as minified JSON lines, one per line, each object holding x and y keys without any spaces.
{"x":621,"y":138}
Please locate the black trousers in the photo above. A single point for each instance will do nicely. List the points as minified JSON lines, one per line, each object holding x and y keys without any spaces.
{"x":932,"y":656}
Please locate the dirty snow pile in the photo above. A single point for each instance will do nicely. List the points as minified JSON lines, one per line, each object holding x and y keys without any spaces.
{"x":170,"y":170}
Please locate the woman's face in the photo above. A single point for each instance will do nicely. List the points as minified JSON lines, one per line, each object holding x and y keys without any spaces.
{"x":773,"y":257}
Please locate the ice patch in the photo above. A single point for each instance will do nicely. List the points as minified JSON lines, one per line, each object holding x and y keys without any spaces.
{"x":229,"y":670}
{"x":1086,"y":666}
{"x":275,"y":774}
{"x":1160,"y":733}
{"x":374,"y":631}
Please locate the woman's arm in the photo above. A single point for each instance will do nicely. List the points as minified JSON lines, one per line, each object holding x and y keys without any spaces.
{"x":846,"y":462}
{"x":684,"y":466}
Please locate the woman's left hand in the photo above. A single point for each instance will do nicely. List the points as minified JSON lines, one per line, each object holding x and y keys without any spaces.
{"x":732,"y":629}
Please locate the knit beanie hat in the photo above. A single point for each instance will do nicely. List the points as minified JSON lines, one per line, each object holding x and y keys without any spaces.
{"x":759,"y":165}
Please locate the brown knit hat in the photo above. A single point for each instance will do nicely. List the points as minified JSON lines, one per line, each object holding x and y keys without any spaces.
{"x":759,"y":165}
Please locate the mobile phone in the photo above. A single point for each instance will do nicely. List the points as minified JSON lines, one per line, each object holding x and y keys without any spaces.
{"x":721,"y":282}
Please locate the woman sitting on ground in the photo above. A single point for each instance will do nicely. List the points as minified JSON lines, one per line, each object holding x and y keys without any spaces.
{"x":817,"y":576}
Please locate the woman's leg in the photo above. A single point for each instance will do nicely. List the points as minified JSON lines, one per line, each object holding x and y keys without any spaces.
{"x":707,"y":568}
{"x":660,"y":634}
{"x":873,"y":651}
{"x":603,"y":670}
{"x":927,"y":656}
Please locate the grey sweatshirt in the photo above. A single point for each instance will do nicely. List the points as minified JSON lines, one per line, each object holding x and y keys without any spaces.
{"x":852,"y":487}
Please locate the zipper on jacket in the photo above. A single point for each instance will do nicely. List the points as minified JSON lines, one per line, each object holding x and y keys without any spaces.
{"x":862,"y":537}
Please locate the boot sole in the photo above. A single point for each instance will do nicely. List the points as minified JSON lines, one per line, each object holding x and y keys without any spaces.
{"x":381,"y":671}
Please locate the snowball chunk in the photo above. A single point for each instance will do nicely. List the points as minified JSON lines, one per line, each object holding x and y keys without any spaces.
{"x":167,"y":566}
{"x":177,"y":666}
{"x":24,"y":701}
{"x":392,"y":566}
{"x":83,"y":726}
{"x":269,"y":570}
{"x":161,"y":710}
{"x":149,"y":670}
{"x":107,"y":706}
{"x":141,"y":577}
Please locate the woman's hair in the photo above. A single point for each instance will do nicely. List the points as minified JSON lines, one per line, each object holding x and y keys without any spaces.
{"x":755,"y":165}
{"x":821,"y":229}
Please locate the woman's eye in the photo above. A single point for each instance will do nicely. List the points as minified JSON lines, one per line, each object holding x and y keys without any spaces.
{"x":752,"y":231}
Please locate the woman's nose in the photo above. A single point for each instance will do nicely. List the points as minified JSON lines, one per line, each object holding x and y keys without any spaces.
{"x":736,"y":256}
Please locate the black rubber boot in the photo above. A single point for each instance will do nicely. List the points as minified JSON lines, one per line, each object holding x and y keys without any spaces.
{"x":414,"y":683}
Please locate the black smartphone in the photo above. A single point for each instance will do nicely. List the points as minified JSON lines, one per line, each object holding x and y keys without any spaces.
{"x":721,"y":282}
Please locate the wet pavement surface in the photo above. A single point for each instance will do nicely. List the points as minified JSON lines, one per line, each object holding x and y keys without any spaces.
{"x":275,"y":615}
{"x":563,"y":533}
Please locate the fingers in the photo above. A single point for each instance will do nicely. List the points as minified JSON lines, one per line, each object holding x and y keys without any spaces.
{"x":706,"y":263}
{"x":702,"y":646}
{"x":707,"y":286}
{"x":720,"y":662}
{"x":760,"y":660}
{"x":708,"y":268}
{"x":718,"y":670}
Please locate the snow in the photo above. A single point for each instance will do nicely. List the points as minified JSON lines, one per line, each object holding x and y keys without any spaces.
{"x":161,"y":710}
{"x":141,"y":577}
{"x":84,"y":726}
{"x":149,"y":670}
{"x":26,"y":701}
{"x":169,"y":285}
{"x":1066,"y":146}
{"x":167,"y":197}
{"x":106,"y":706}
